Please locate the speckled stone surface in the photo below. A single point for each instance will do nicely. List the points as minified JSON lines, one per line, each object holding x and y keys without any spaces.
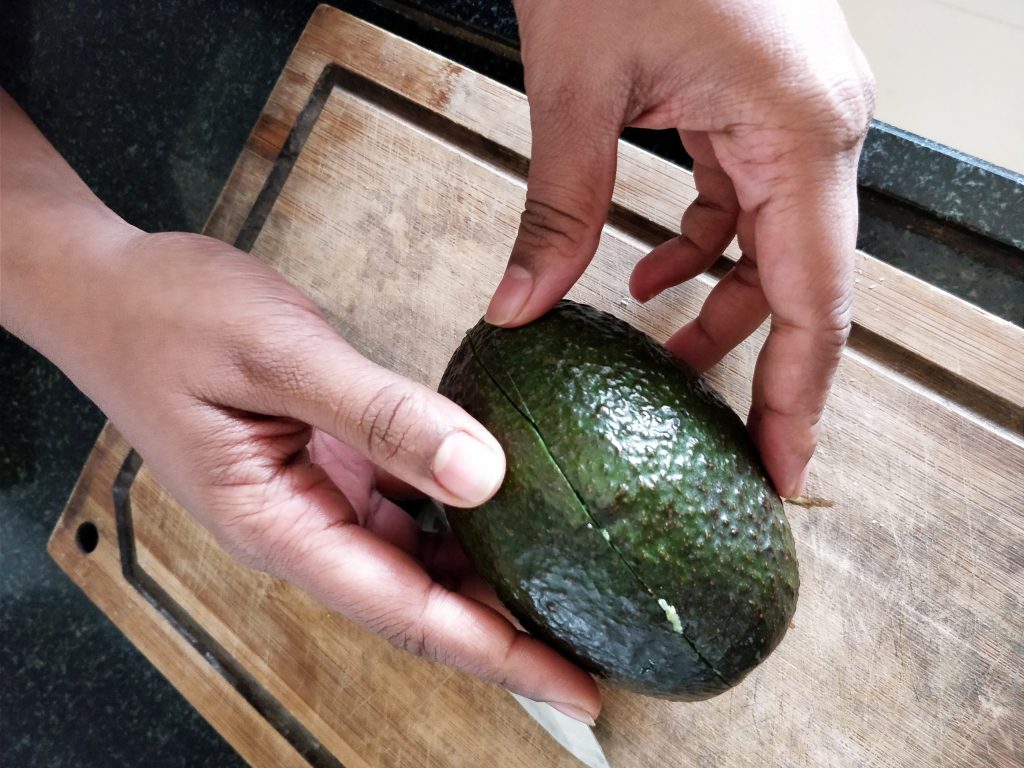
{"x":945,"y":217}
{"x":985,"y":273}
{"x":151,"y":103}
{"x":982,"y":197}
{"x":497,"y":19}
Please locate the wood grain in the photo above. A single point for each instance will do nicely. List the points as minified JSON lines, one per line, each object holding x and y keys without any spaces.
{"x":368,"y":703}
{"x":396,"y":216}
{"x":100,"y":575}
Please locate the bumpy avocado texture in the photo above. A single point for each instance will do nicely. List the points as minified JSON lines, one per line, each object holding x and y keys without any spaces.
{"x":636,"y":530}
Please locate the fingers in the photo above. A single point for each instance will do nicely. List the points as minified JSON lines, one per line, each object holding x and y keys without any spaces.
{"x":415,"y":434}
{"x":708,"y":225}
{"x":805,"y":234}
{"x":359,"y":482}
{"x":736,"y":305}
{"x":572,"y":172}
{"x":312,"y":541}
{"x":732,"y":311}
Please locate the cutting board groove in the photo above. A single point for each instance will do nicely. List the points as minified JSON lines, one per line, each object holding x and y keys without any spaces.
{"x":220,"y":660}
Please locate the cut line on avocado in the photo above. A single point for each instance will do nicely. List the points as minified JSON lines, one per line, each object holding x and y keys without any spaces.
{"x":671,"y":614}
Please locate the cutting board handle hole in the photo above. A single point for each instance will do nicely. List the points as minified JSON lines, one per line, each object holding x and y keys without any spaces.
{"x":87,"y":537}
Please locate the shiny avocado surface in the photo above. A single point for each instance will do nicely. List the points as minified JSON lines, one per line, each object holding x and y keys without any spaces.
{"x":636,"y":530}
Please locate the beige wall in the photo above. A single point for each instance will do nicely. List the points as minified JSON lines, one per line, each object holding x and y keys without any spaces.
{"x":950,"y":70}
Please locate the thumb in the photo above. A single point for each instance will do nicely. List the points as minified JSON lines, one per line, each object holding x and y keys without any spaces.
{"x":414,"y":433}
{"x":569,"y":189}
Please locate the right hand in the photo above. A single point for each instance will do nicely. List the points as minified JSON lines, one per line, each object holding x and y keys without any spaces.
{"x":772,"y":100}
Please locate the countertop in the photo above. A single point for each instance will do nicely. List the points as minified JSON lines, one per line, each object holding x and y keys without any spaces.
{"x":151,"y":102}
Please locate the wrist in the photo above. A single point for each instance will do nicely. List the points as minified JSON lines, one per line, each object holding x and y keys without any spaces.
{"x":57,"y":268}
{"x":59,"y":242}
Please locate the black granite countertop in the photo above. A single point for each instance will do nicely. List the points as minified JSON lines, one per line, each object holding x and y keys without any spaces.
{"x":151,"y":102}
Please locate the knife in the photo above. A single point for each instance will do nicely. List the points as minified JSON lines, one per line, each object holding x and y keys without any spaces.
{"x":577,"y":738}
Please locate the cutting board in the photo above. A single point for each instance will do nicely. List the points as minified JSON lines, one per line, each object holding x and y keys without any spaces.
{"x":386,"y":182}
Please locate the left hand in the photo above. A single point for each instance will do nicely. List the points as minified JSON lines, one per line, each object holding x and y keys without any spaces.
{"x":273,"y":431}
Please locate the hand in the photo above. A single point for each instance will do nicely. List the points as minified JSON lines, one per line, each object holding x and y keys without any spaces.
{"x":772,"y":100}
{"x":279,"y":437}
{"x":261,"y":420}
{"x":276,"y":434}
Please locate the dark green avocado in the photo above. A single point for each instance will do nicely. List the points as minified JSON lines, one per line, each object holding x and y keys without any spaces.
{"x":636,"y":530}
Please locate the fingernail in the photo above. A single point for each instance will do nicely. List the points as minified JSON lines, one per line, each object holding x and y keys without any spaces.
{"x":801,"y":481}
{"x":576,"y":713}
{"x":511,"y":296}
{"x":642,"y":298}
{"x":467,"y":468}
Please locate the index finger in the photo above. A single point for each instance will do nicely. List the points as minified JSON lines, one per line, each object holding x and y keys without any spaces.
{"x":311,"y":537}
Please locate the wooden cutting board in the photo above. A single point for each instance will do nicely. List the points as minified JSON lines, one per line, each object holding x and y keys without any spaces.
{"x":387,"y":182}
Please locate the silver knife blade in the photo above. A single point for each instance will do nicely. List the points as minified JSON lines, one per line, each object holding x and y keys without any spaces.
{"x":576,"y":737}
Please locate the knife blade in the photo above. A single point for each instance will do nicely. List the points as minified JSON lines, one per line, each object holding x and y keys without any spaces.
{"x":577,"y":738}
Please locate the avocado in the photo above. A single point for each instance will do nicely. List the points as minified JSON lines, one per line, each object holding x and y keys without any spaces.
{"x":636,"y":530}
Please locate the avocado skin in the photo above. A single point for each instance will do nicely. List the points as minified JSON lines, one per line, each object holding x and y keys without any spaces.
{"x":604,"y":429}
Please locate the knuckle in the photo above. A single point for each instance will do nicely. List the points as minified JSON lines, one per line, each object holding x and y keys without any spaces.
{"x":551,"y":229}
{"x":825,"y":327}
{"x":745,"y":271}
{"x":496,"y":666}
{"x":848,"y":109}
{"x":555,"y":101}
{"x":834,"y":339}
{"x":837,"y":104}
{"x":415,"y":636}
{"x":833,"y":331}
{"x":839,"y":334}
{"x":865,"y":78}
{"x":839,"y":317}
{"x":828,"y":112}
{"x":391,"y":626}
{"x":385,"y":422}
{"x":571,"y":97}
